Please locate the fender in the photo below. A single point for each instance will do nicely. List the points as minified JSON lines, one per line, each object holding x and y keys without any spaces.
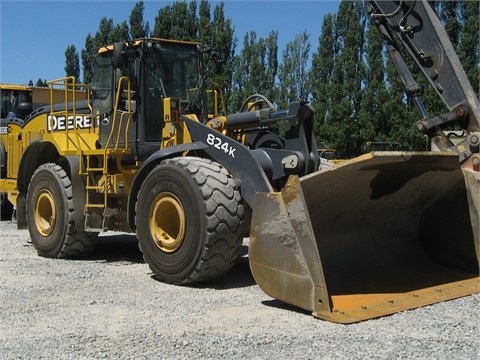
{"x":36,"y":154}
{"x":152,"y":161}
{"x":240,"y":161}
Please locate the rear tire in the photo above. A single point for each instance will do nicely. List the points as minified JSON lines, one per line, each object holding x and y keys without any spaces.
{"x":50,"y":215}
{"x":5,"y":206}
{"x":188,"y":220}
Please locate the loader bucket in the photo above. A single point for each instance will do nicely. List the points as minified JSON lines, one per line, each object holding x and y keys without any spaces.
{"x":376,"y":235}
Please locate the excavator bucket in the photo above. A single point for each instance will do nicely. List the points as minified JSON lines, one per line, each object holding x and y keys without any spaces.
{"x":376,"y":235}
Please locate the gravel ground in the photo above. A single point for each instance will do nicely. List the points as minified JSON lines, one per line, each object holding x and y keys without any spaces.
{"x":109,"y":306}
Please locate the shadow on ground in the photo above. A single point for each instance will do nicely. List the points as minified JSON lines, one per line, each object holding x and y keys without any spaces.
{"x":124,"y":248}
{"x":277,"y":304}
{"x":238,"y":276}
{"x":116,"y":248}
{"x":6,"y":212}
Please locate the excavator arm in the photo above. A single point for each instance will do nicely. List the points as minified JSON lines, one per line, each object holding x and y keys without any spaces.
{"x":387,"y":231}
{"x":421,"y":33}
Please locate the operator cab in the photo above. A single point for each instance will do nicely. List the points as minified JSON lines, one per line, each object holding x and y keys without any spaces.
{"x":132,"y":81}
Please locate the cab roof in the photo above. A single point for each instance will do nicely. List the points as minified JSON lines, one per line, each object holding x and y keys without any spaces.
{"x":136,"y":43}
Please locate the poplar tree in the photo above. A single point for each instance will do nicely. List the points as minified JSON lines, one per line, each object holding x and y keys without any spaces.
{"x":372,"y":118}
{"x":138,"y":27}
{"x":107,"y":33}
{"x":88,"y":56}
{"x":177,"y":21}
{"x":120,"y":32}
{"x":205,"y":28}
{"x":400,"y":115}
{"x":293,"y":71}
{"x":255,"y":69}
{"x":323,"y":62}
{"x":469,"y":42}
{"x":347,"y":77}
{"x":41,"y":83}
{"x":92,"y":44}
{"x":223,"y":39}
{"x":72,"y":62}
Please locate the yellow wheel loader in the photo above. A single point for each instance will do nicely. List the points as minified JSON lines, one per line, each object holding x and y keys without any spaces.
{"x":17,"y":102}
{"x":152,"y":153}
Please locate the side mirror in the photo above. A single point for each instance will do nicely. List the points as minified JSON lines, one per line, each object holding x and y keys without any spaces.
{"x":217,"y":61}
{"x":216,"y":58}
{"x":119,"y":56}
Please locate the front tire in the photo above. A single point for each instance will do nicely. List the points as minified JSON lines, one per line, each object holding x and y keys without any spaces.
{"x":188,"y":220}
{"x":50,"y":215}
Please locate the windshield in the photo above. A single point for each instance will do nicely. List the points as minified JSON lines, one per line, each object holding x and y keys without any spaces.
{"x":173,"y":70}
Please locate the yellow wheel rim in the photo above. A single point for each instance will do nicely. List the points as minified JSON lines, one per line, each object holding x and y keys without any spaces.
{"x":167,"y":222}
{"x":45,"y":214}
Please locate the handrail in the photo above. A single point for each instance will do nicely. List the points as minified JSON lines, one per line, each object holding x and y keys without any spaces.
{"x":70,"y":88}
{"x":115,"y":110}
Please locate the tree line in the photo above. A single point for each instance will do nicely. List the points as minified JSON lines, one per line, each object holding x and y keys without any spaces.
{"x":355,"y":91}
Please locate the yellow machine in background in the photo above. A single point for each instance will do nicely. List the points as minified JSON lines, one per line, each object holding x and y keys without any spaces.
{"x":19,"y":100}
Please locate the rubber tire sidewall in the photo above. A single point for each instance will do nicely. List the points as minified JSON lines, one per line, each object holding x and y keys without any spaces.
{"x":177,"y":266}
{"x":49,"y":177}
{"x":4,"y":203}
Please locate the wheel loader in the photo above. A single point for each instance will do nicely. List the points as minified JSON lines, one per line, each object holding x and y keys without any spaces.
{"x":16,"y":103}
{"x":152,"y":152}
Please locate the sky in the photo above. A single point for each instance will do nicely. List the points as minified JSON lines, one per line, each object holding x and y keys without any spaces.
{"x":35,"y":34}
